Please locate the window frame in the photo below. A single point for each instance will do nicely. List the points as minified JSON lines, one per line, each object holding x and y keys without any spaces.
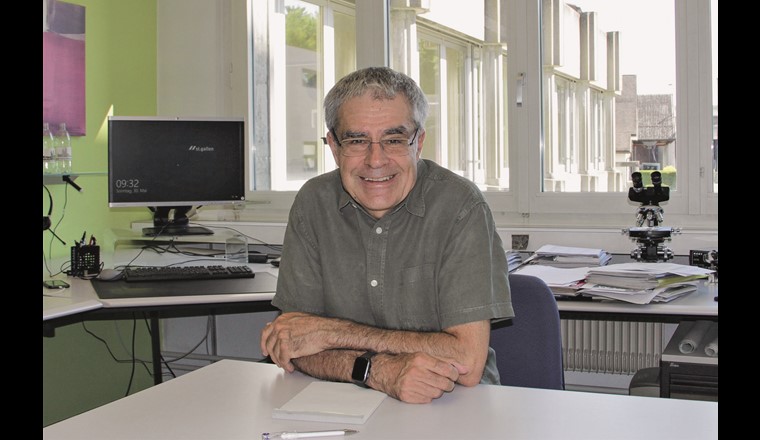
{"x":526,"y":204}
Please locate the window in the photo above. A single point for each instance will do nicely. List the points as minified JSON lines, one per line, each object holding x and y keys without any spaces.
{"x":442,"y":78}
{"x":540,"y":102}
{"x":574,"y":124}
{"x":464,"y":78}
{"x":589,"y":47}
{"x":310,"y":44}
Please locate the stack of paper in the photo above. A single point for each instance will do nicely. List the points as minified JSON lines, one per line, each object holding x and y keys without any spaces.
{"x":331,"y":402}
{"x":567,"y":257}
{"x":639,"y":296}
{"x":642,"y":283}
{"x":562,"y":282}
{"x":645,"y":275}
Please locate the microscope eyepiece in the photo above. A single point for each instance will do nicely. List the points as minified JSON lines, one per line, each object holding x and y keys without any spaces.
{"x":650,"y":195}
{"x":637,"y":181}
{"x":656,"y":178}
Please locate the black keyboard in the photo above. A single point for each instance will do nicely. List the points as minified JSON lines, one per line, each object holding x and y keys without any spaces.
{"x":186,"y":273}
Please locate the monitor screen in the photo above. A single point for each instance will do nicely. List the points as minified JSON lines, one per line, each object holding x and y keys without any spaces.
{"x":172,"y":164}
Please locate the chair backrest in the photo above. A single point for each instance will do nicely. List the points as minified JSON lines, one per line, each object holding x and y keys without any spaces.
{"x":529,"y":347}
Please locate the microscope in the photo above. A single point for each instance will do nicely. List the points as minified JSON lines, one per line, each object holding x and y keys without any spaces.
{"x":648,"y":233}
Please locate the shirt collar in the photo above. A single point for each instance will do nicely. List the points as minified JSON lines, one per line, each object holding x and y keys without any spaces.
{"x":414,"y":202}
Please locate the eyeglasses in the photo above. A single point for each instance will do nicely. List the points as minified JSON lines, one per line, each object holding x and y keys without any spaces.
{"x":393,"y":145}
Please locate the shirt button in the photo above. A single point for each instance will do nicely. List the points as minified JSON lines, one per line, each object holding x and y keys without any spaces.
{"x":379,"y":230}
{"x":373,"y":283}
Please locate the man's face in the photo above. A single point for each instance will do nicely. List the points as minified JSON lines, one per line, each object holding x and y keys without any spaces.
{"x":376,"y":180}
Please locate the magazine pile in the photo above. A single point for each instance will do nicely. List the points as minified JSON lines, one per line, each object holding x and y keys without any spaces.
{"x":563,"y":268}
{"x":568,"y":257}
{"x":643,"y":283}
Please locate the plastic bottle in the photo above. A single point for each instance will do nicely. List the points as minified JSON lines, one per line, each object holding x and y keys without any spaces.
{"x":48,"y":150}
{"x":63,"y":149}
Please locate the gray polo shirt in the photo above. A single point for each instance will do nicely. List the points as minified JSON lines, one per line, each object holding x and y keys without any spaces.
{"x":432,"y":262}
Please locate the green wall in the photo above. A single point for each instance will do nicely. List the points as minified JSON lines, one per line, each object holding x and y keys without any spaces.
{"x":78,"y":372}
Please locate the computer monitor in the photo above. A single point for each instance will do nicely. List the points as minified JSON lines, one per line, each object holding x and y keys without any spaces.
{"x":173,"y":164}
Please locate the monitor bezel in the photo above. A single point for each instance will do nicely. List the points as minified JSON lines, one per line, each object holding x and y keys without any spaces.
{"x":176,"y":203}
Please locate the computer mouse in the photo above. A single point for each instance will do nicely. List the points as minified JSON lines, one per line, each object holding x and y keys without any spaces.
{"x":110,"y":275}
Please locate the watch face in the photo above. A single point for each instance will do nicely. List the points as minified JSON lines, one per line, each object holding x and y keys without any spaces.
{"x":361,"y":370}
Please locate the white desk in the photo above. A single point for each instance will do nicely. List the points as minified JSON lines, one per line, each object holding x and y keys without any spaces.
{"x":62,"y":303}
{"x":234,"y":400}
{"x":57,"y":303}
{"x":696,"y":305}
{"x":80,"y":302}
{"x":82,"y":297}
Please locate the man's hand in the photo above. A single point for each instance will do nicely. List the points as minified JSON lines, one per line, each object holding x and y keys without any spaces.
{"x":293,"y":335}
{"x":413,"y":377}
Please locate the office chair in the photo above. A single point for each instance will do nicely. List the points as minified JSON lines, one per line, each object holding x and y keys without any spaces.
{"x":645,"y":382}
{"x":529,"y":346}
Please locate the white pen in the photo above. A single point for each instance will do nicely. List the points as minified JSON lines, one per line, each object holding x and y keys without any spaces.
{"x":306,"y":434}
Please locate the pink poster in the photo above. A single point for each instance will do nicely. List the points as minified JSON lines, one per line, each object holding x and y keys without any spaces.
{"x":63,"y":66}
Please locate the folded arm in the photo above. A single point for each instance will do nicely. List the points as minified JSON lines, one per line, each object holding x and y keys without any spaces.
{"x":458,"y":353}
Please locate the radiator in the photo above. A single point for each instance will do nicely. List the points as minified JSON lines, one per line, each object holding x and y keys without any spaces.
{"x":610,"y":346}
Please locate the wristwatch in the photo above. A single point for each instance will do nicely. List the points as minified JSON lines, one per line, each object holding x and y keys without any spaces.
{"x":362,"y":365}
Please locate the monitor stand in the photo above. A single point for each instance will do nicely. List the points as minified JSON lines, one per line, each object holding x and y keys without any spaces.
{"x":178,"y":225}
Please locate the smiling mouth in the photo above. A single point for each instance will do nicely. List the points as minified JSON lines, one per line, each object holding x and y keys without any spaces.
{"x":378,"y":179}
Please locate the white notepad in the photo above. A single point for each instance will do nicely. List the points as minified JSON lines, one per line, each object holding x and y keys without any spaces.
{"x":331,"y":402}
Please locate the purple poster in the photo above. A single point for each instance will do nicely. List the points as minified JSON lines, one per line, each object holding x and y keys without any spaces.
{"x":63,"y":66}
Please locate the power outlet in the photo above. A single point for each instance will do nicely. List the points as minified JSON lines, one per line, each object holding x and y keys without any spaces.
{"x":520,"y":242}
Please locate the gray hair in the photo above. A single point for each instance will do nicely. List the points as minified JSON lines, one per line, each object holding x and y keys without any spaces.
{"x":384,"y":83}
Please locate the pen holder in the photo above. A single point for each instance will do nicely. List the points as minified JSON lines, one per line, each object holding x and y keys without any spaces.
{"x":85,"y":260}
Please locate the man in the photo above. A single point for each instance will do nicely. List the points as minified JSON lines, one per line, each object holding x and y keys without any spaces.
{"x":391,"y":269}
